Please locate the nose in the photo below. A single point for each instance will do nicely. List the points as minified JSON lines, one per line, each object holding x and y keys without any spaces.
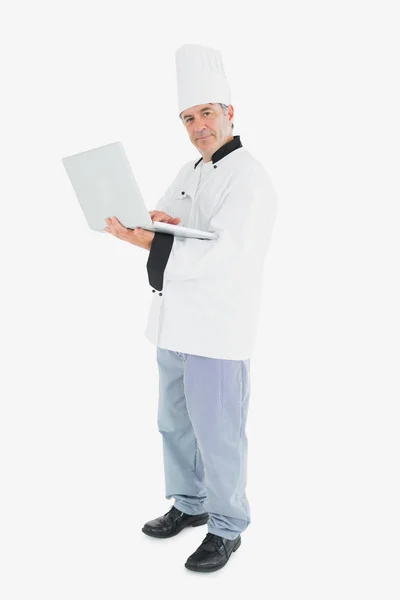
{"x":198,"y":125}
{"x":200,"y":132}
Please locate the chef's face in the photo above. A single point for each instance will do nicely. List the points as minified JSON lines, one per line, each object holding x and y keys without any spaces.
{"x":208,"y":127}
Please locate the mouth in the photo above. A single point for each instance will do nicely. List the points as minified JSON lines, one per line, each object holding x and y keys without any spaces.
{"x":204,"y":138}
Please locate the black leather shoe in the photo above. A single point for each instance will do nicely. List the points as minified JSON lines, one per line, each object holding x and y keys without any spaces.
{"x":172,"y":523}
{"x":213,"y":553}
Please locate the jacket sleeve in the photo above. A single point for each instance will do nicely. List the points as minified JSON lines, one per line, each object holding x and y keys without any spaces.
{"x":243,"y":221}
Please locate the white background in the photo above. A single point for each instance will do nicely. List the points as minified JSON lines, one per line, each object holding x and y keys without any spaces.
{"x":316,"y":97}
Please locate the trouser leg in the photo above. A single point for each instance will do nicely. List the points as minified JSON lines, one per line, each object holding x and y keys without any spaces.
{"x":183,"y":466}
{"x":217,"y":395}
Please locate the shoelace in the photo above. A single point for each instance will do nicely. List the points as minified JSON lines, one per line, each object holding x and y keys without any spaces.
{"x":213,"y":538}
{"x":172,"y":512}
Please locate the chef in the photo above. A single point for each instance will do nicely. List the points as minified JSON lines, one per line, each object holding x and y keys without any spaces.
{"x":204,"y":312}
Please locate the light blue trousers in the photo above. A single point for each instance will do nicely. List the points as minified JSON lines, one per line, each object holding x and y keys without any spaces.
{"x":202,"y":413}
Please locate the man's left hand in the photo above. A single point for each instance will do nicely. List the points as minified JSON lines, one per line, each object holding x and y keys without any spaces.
{"x":137,"y":237}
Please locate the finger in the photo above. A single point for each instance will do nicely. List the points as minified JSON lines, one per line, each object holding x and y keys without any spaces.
{"x":157,"y":215}
{"x":162,"y":217}
{"x":110,"y":228}
{"x":117,"y":225}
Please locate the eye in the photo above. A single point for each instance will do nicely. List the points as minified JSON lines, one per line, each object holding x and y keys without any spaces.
{"x":206,"y":112}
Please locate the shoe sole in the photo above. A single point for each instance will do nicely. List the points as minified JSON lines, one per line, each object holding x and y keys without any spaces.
{"x":197,"y":523}
{"x":210,"y":569}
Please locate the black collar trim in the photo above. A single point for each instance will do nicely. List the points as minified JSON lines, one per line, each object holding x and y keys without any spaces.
{"x":224,"y":150}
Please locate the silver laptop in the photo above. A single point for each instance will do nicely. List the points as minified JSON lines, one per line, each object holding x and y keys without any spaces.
{"x":104,"y":184}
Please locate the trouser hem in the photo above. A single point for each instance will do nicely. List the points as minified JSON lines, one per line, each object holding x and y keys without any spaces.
{"x":230,"y":535}
{"x":184,"y":509}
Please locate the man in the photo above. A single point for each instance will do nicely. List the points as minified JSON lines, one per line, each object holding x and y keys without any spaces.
{"x":204,"y":317}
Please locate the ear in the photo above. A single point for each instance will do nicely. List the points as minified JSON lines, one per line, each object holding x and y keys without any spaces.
{"x":231,"y":113}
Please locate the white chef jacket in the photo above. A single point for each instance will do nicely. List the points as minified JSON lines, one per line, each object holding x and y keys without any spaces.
{"x":207,"y":293}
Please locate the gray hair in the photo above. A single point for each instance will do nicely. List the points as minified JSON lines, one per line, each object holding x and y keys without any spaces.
{"x":224,"y":108}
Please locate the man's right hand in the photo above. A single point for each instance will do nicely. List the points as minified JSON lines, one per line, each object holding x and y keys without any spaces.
{"x":158,"y":215}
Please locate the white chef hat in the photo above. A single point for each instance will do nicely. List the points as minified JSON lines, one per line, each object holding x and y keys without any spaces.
{"x":200,"y":76}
